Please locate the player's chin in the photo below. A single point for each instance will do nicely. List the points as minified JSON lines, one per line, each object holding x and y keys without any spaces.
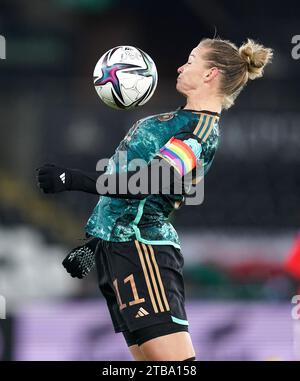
{"x":179,"y":87}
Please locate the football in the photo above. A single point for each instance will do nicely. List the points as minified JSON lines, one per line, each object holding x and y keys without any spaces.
{"x":125,"y":77}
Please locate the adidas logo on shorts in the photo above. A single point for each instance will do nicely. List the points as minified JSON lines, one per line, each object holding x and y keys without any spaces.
{"x":141,"y":312}
{"x":63,"y":177}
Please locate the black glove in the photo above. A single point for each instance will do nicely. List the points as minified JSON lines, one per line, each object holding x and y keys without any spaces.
{"x":53,"y":179}
{"x":80,"y":261}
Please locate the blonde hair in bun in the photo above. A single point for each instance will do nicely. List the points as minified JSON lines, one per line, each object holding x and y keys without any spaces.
{"x":236,"y":65}
{"x":256,"y":57}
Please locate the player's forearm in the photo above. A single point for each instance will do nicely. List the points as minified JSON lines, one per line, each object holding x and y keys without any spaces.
{"x":156,"y":178}
{"x":83,"y":181}
{"x":87,"y":182}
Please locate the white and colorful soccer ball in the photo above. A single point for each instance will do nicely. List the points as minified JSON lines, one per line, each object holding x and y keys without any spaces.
{"x":125,"y":77}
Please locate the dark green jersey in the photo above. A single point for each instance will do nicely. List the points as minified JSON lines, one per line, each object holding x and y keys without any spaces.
{"x":119,"y":220}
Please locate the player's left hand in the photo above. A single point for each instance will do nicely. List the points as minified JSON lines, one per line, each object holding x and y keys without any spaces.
{"x":80,"y":261}
{"x":53,"y":179}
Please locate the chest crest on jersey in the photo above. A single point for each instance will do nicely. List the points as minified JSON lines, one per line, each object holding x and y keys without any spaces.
{"x":165,"y":117}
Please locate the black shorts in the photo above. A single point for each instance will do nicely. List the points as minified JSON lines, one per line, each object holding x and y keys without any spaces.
{"x":143,"y":287}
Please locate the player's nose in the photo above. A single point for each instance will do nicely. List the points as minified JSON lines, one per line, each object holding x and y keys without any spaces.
{"x":180,"y":69}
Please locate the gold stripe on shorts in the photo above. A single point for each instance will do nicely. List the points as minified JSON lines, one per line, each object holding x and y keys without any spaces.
{"x":137,"y":244}
{"x":159,"y":278}
{"x":158,"y":298}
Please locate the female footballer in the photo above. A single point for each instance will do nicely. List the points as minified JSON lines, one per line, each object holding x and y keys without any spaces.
{"x":136,"y":249}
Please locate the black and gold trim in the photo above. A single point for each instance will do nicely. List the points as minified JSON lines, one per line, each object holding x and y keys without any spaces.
{"x":205,"y":126}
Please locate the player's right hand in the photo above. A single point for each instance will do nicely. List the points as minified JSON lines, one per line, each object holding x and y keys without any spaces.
{"x":80,"y":261}
{"x":53,"y":179}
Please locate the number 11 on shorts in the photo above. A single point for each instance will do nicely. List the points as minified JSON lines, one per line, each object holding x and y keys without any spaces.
{"x":136,"y":298}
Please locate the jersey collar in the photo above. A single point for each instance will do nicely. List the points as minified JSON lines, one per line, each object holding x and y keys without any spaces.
{"x":200,"y":111}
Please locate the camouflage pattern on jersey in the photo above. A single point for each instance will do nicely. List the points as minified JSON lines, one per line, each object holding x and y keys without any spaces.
{"x":147,"y":220}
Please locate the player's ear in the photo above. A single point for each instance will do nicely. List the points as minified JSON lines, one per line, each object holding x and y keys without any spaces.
{"x":211,"y":73}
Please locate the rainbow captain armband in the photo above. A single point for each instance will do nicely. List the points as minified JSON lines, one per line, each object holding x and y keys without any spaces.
{"x":181,"y":154}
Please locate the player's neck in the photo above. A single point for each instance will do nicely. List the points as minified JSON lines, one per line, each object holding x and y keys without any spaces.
{"x":210,"y":104}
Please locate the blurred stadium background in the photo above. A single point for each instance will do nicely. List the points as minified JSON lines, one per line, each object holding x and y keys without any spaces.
{"x":235,"y":245}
